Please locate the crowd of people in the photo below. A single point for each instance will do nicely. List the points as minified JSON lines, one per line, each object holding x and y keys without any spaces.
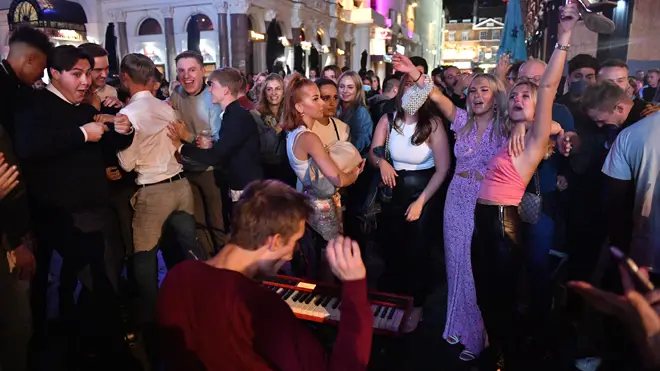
{"x":231,"y":178}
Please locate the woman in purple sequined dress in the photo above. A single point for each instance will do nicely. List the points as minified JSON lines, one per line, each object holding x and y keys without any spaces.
{"x":480,"y":132}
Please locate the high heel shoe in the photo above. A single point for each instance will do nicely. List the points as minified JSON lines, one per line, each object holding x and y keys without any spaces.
{"x":593,"y":19}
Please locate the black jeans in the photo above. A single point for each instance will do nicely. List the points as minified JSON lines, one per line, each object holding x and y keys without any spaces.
{"x":15,"y":319}
{"x":407,"y":245}
{"x":497,"y":260}
{"x":92,"y":252}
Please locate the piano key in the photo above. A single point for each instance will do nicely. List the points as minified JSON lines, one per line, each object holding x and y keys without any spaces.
{"x":288,"y":294}
{"x":309,"y":298}
{"x":319,"y":300}
{"x":383,"y":312}
{"x":391,"y":313}
{"x":378,"y":310}
{"x":297,"y":296}
{"x":336,"y":304}
{"x":326,"y":301}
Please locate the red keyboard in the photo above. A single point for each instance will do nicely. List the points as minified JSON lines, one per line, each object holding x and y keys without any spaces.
{"x":321,"y":302}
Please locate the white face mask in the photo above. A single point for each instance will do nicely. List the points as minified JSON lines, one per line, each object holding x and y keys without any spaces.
{"x":415,"y":97}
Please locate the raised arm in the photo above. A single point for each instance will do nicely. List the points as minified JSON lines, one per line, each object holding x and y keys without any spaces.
{"x":537,"y":138}
{"x":423,"y":88}
{"x":311,"y":144}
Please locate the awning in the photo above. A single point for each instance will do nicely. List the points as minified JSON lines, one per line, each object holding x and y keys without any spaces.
{"x":55,"y":14}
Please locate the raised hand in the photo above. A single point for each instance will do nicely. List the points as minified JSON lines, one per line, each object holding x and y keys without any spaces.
{"x":345,"y":260}
{"x":112,"y":102}
{"x":8,"y":177}
{"x":516,"y":142}
{"x":122,"y":124}
{"x":402,"y":63}
{"x":94,"y":131}
{"x":568,"y":17}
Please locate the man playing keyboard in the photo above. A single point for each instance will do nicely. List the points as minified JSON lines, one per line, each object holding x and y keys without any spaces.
{"x":214,"y":316}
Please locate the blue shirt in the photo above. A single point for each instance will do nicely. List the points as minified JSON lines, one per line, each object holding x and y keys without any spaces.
{"x":361,"y":127}
{"x":547,"y":169}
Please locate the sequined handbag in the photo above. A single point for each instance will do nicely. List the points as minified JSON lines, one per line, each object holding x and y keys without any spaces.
{"x":531,"y":203}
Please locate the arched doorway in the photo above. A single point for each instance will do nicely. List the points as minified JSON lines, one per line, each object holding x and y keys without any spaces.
{"x":200,"y":32}
{"x":299,"y":55}
{"x":316,"y":56}
{"x":274,"y":47}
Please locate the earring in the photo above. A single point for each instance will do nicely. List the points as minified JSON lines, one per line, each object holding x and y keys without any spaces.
{"x":495,"y":107}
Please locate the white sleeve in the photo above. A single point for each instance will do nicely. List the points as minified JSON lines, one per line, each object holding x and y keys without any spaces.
{"x":616,"y":164}
{"x":128,"y":157}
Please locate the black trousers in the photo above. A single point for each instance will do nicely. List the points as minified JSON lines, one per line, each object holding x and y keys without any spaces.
{"x":497,"y":261}
{"x":407,"y":245}
{"x":92,"y":252}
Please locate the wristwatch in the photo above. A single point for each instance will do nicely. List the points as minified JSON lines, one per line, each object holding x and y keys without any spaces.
{"x":559,"y":46}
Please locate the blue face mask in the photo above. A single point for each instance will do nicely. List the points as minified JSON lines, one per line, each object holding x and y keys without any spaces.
{"x":367,"y":88}
{"x":465,"y":92}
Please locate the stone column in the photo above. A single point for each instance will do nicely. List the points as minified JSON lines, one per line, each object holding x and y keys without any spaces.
{"x":119,"y":18}
{"x":95,"y":32}
{"x":168,"y":15}
{"x":333,"y":41}
{"x":223,"y":41}
{"x":296,"y":24}
{"x":348,"y":47}
{"x":361,"y":44}
{"x":238,"y":20}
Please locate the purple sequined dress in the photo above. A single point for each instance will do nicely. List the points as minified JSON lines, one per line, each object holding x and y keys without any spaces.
{"x":463,"y":316}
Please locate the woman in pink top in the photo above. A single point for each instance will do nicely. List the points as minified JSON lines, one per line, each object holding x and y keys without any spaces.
{"x":496,"y":253}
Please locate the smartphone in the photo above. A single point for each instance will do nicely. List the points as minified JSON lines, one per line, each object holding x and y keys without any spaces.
{"x":641,"y":283}
{"x":389,"y":52}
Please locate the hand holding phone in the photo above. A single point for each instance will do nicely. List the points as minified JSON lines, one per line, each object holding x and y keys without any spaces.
{"x":639,"y":280}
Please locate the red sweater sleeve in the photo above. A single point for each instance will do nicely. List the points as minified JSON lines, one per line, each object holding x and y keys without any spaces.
{"x":353,"y":346}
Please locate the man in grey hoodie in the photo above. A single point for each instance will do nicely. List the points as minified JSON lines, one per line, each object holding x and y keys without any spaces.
{"x":192,"y":100}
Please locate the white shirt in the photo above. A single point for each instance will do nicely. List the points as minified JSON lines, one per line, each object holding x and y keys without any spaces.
{"x":405,"y":155}
{"x":635,"y":155}
{"x":151,"y":154}
{"x":327,"y":133}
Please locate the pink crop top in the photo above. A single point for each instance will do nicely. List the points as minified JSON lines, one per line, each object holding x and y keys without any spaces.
{"x":502,"y":184}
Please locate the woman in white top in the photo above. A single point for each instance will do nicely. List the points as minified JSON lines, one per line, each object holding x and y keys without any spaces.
{"x":419,"y":154}
{"x":308,"y":158}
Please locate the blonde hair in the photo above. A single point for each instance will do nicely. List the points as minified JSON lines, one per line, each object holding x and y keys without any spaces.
{"x":501,"y":123}
{"x":360,"y":98}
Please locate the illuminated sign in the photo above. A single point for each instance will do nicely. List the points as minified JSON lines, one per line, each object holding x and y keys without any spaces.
{"x":68,"y":35}
{"x":380,"y":33}
{"x":256,"y":36}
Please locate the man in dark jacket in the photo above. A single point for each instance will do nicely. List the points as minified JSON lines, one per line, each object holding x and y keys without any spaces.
{"x":28,"y":50}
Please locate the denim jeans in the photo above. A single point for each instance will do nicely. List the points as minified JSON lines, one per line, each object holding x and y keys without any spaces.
{"x":539,"y":239}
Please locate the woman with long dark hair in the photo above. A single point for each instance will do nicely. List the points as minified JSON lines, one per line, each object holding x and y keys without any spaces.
{"x":419,"y":153}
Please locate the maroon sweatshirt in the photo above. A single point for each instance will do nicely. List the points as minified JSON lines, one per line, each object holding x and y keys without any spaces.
{"x":218,"y":319}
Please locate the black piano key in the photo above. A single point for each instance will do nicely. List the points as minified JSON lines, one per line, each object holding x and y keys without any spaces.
{"x":392,"y":310}
{"x":283,"y":292}
{"x":303,"y":297}
{"x":377,"y":312}
{"x":288,"y":294}
{"x":336,"y":304}
{"x":309,"y":298}
{"x":319,"y":300}
{"x":383,"y":312}
{"x":326,"y":301}
{"x":297,"y":295}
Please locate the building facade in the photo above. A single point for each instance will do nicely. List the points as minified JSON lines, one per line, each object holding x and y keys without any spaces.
{"x":472,"y":42}
{"x":636,"y":28}
{"x":252,"y":35}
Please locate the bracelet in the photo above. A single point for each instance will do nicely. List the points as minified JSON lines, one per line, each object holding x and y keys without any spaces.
{"x":559,"y":46}
{"x":419,"y":77}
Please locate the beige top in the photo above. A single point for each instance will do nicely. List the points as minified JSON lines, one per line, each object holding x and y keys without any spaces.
{"x":328,"y":134}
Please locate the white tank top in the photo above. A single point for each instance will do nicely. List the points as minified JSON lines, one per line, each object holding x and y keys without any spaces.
{"x":300,"y":167}
{"x":405,"y":155}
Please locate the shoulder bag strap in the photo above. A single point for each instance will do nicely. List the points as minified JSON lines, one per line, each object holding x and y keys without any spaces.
{"x":390,"y":121}
{"x":536,"y":183}
{"x":335,"y":125}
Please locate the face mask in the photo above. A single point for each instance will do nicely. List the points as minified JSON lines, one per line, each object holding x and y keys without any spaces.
{"x":465,"y":92}
{"x":577,"y":88}
{"x":367,"y":88}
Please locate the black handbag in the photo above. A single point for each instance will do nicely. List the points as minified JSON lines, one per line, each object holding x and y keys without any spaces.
{"x":531,"y":204}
